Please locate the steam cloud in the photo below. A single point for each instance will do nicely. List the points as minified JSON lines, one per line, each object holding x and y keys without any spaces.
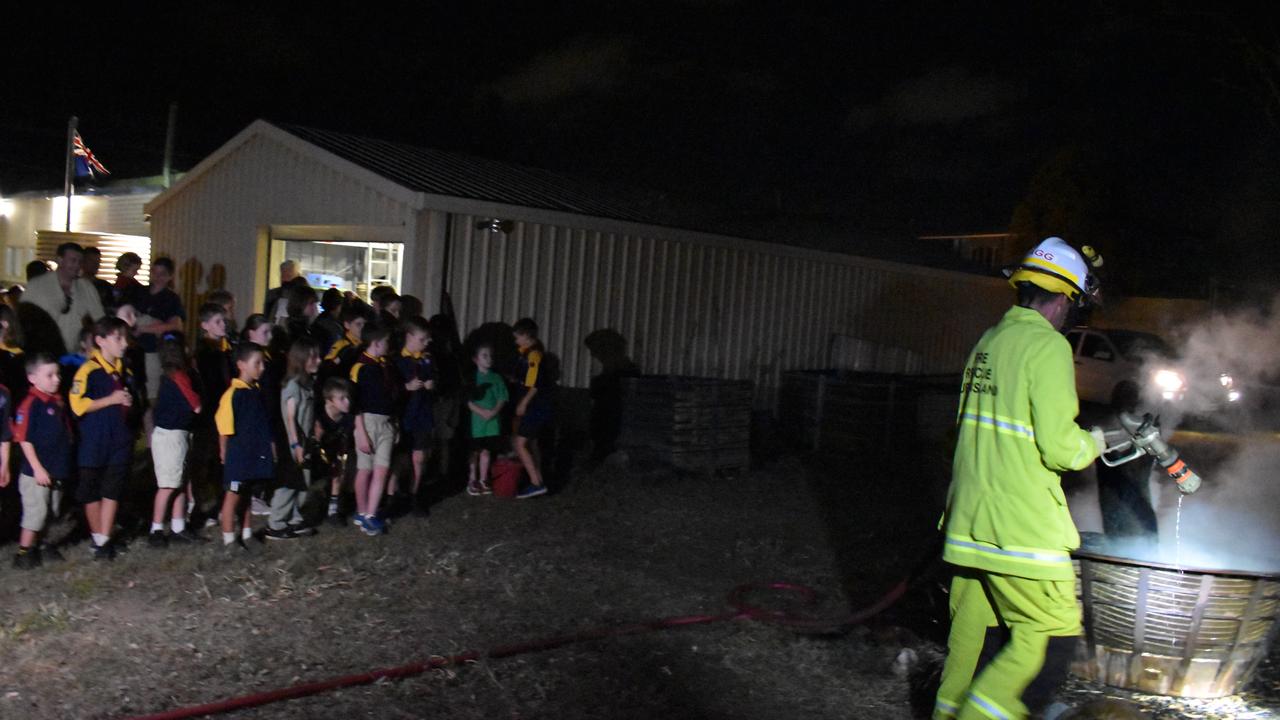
{"x":1245,"y":345}
{"x":1233,"y":522}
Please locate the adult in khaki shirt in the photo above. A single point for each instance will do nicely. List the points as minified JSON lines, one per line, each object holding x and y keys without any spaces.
{"x":70,"y":300}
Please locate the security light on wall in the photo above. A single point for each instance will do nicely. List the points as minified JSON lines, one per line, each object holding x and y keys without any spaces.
{"x":494,"y":225}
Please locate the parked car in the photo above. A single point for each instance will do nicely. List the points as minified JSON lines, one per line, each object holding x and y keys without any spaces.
{"x":1111,"y":362}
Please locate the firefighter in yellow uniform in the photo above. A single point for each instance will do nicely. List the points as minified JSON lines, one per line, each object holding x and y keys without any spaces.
{"x":1014,"y":617}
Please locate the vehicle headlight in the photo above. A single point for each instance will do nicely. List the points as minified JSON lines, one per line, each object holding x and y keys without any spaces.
{"x":1169,"y":382}
{"x":1226,"y":380}
{"x":1233,"y":396}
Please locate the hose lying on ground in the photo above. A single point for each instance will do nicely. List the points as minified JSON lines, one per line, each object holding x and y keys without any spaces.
{"x":740,"y":609}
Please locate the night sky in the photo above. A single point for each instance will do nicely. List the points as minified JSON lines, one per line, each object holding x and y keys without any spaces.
{"x":1149,"y":130}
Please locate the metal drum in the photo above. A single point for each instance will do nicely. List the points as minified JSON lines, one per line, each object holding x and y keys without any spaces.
{"x":1157,"y":629}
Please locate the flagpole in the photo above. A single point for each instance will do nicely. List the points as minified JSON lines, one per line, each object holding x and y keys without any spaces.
{"x":168,"y":143}
{"x":67,"y":186}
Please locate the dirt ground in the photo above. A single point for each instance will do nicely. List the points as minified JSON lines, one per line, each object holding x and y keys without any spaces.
{"x":160,"y":629}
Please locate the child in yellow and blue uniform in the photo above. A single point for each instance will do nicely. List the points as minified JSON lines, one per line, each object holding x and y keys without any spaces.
{"x":375,"y":435}
{"x":417,"y":421}
{"x":215,"y":367}
{"x":345,"y":350}
{"x":533,"y":409}
{"x":101,"y":398}
{"x":246,"y":446}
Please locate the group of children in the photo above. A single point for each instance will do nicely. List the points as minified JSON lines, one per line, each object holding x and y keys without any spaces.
{"x":258,"y":415}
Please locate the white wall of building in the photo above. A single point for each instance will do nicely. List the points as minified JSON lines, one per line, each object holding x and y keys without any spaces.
{"x":23,"y":215}
{"x":693,"y":304}
{"x":212,"y":228}
{"x":688,"y":303}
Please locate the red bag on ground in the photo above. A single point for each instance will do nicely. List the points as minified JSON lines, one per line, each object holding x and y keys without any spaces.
{"x":505,"y":475}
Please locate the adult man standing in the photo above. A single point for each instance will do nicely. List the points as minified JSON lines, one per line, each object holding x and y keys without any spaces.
{"x":163,"y":308}
{"x":70,"y":300}
{"x":89,"y":266}
{"x":1008,"y":531}
{"x":277,"y":297}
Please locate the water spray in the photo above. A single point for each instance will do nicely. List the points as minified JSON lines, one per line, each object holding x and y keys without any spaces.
{"x":1140,"y":435}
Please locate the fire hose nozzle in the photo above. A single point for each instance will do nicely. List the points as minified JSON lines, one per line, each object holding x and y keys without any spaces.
{"x":1184,"y":477}
{"x":1140,"y":435}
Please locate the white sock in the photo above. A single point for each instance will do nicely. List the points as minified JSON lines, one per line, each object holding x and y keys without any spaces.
{"x":246,"y":533}
{"x":178,"y":524}
{"x":99,"y":539}
{"x":228,"y":538}
{"x":155,"y":526}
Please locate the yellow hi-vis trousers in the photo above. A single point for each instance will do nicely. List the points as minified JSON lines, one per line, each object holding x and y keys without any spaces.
{"x":1031,"y":611}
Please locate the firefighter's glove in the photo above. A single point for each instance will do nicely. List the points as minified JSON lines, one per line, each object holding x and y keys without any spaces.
{"x":1099,"y":438}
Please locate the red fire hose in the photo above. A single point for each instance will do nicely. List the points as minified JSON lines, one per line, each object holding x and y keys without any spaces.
{"x":741,"y":609}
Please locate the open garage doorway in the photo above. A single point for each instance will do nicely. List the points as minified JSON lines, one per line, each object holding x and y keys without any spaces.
{"x":352,"y":260}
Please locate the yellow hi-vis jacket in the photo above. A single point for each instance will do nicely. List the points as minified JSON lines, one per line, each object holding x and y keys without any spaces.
{"x":1005,"y":509}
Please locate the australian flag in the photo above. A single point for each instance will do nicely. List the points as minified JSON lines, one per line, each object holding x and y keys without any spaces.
{"x":86,"y":163}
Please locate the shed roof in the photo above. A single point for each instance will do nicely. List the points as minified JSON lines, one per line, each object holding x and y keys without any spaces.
{"x":405,"y":170}
{"x":441,"y":172}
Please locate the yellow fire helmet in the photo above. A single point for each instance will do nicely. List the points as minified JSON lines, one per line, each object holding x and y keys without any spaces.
{"x":1057,"y":267}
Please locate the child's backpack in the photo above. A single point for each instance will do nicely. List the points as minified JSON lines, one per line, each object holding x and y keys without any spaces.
{"x":506,"y":474}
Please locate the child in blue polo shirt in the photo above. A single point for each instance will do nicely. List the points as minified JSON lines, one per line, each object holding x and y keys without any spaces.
{"x":42,"y":428}
{"x":417,"y":421}
{"x":177,"y":404}
{"x":375,"y":428}
{"x":245,"y":442}
{"x":533,"y":409}
{"x":100,"y":397}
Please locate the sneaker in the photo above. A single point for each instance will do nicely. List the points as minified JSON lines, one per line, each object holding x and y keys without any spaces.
{"x":474,"y":489}
{"x":104,"y":552}
{"x":259,"y":507}
{"x":157,"y":539}
{"x":359,"y":521}
{"x":48,"y":552}
{"x":485,"y":488}
{"x":302,"y":529}
{"x":374,"y":525}
{"x":188,"y":536}
{"x":531,"y":491}
{"x":237,"y":548}
{"x":26,"y":560}
{"x":212,"y":522}
{"x":281,"y":534}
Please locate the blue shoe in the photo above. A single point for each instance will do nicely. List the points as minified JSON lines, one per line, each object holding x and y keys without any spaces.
{"x":373,"y":525}
{"x":359,"y":521}
{"x":531,"y":491}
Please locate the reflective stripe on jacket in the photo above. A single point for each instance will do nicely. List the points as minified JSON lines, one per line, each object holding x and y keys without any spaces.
{"x":1006,"y":512}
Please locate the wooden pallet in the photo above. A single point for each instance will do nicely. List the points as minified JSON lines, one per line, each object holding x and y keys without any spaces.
{"x":690,"y":423}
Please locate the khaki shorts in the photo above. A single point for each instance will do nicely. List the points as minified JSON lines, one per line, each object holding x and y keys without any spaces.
{"x":169,"y":455}
{"x":382,"y":438}
{"x":38,"y":502}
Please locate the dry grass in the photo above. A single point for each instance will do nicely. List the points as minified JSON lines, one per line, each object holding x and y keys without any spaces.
{"x":161,"y":629}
